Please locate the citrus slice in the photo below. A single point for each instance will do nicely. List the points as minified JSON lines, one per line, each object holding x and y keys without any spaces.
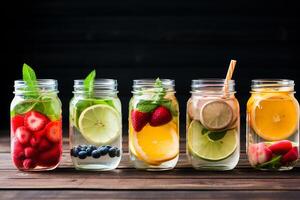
{"x":155,"y":145}
{"x":212,"y":146}
{"x":99,"y":124}
{"x":216,"y":115}
{"x":275,"y":116}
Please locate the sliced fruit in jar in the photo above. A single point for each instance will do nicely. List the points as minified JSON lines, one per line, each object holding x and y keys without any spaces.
{"x":139,"y":119}
{"x":160,"y":116}
{"x":274,"y":117}
{"x":23,"y":135}
{"x":290,"y":156}
{"x":155,"y":145}
{"x":216,"y":115}
{"x":281,"y":147}
{"x":201,"y":144}
{"x":16,"y":122}
{"x":54,"y":131}
{"x":99,"y":124}
{"x":35,"y":121}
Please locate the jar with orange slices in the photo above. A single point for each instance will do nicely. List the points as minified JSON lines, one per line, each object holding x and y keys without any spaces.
{"x":272,"y":125}
{"x":153,"y":125}
{"x":213,"y":125}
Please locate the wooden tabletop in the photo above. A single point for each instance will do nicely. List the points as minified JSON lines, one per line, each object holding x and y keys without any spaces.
{"x":128,"y":183}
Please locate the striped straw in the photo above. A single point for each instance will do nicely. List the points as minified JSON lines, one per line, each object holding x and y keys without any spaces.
{"x":229,"y":74}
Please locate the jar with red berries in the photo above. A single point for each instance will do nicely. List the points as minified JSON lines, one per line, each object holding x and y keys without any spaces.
{"x":36,"y":125}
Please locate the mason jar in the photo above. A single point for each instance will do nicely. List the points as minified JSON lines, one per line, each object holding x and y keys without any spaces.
{"x":154,"y":125}
{"x":272,"y":125}
{"x":213,"y":125}
{"x":36,"y":126}
{"x":96,"y":126}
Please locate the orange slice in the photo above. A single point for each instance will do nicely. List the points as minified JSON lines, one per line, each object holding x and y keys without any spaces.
{"x":274,"y":116}
{"x":156,"y":145}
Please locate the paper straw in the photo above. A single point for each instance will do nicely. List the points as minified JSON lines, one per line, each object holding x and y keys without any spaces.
{"x":229,"y":74}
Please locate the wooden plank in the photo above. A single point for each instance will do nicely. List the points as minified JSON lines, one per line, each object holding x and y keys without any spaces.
{"x":172,"y":195}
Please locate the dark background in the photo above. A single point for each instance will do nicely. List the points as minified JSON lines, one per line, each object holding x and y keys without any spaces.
{"x":133,"y":39}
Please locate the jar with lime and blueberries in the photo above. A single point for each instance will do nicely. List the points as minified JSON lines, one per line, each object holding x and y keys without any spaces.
{"x":95,"y":124}
{"x":213,"y":125}
{"x":36,"y":125}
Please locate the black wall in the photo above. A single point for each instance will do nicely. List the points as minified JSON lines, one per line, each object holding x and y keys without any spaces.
{"x":132,"y":39}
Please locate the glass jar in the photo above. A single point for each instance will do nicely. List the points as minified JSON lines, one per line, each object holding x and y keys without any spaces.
{"x":213,"y":125}
{"x":272,"y":125}
{"x":36,"y":126}
{"x":153,"y":125}
{"x":96,"y":126}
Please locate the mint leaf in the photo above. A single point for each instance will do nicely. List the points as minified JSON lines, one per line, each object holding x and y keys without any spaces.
{"x":160,"y":91}
{"x":23,"y":107}
{"x":146,"y":106}
{"x":30,"y":78}
{"x":216,"y":135}
{"x":89,"y":82}
{"x":49,"y":106}
{"x":274,"y":163}
{"x":169,"y":105}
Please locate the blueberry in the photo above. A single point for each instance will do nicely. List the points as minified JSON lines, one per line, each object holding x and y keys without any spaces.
{"x":108,"y":147}
{"x":73,"y":152}
{"x":76,"y":151}
{"x":112,"y":152}
{"x":103,"y":150}
{"x":89,"y":151}
{"x":118,"y":153}
{"x":82,"y":154}
{"x":96,"y":154}
{"x":83,"y":148}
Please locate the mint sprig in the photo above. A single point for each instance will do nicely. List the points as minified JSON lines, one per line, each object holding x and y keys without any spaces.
{"x":30,"y":79}
{"x":89,"y":83}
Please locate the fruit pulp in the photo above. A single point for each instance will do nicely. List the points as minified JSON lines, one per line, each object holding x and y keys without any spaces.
{"x":213,"y":132}
{"x":272,"y":120}
{"x":36,"y":134}
{"x":154,"y":135}
{"x":94,"y":125}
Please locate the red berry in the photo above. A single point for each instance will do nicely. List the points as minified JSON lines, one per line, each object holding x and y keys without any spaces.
{"x":34,"y":142}
{"x":23,"y":135}
{"x":35,"y":121}
{"x":18,"y":154}
{"x":44,"y":145}
{"x":29,"y":164}
{"x":264,"y":154}
{"x":139,"y":119}
{"x":30,"y":152}
{"x":160,"y":116}
{"x":51,"y":157}
{"x":281,"y":147}
{"x":54,"y":131}
{"x":290,"y":156}
{"x":16,"y":122}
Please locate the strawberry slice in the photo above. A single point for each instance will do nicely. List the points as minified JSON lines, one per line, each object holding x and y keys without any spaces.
{"x":281,"y":147}
{"x":23,"y":135}
{"x":35,"y":121}
{"x":51,"y":157}
{"x":290,"y":156}
{"x":18,"y":154}
{"x":16,"y":122}
{"x":139,"y":119}
{"x":264,"y":154}
{"x":160,"y":116}
{"x":54,"y":131}
{"x":30,"y":152}
{"x":44,"y":145}
{"x":29,"y":164}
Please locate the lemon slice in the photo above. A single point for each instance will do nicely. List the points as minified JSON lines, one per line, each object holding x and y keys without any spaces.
{"x":209,"y":145}
{"x":274,"y":116}
{"x":216,"y":115}
{"x":99,"y":124}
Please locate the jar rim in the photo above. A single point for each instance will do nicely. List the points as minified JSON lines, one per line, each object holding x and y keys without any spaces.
{"x":101,"y":85}
{"x":279,"y":84}
{"x":44,"y":85}
{"x":209,"y":85}
{"x":147,"y":83}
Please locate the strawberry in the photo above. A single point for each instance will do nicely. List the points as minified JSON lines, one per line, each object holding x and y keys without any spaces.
{"x":18,"y":154}
{"x":35,"y":121}
{"x":17,"y":162}
{"x":290,"y":156}
{"x":252,"y":155}
{"x":264,"y":154}
{"x":29,"y":164}
{"x":44,"y":145}
{"x":139,"y":119}
{"x":54,"y":131}
{"x":51,"y":157}
{"x":34,"y":142}
{"x":160,"y":116}
{"x":281,"y":147}
{"x":30,"y":152}
{"x":16,"y":122}
{"x":23,"y":135}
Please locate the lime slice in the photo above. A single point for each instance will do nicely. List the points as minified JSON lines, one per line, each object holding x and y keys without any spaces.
{"x":202,"y":144}
{"x":99,"y":124}
{"x":216,"y":115}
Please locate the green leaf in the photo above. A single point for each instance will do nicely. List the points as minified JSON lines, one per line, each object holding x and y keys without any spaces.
{"x":216,"y":135}
{"x":23,"y":107}
{"x":160,"y":91}
{"x":146,"y":106}
{"x":274,"y":163}
{"x":169,"y":105}
{"x":50,"y":106}
{"x":30,"y":78}
{"x":89,"y":82}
